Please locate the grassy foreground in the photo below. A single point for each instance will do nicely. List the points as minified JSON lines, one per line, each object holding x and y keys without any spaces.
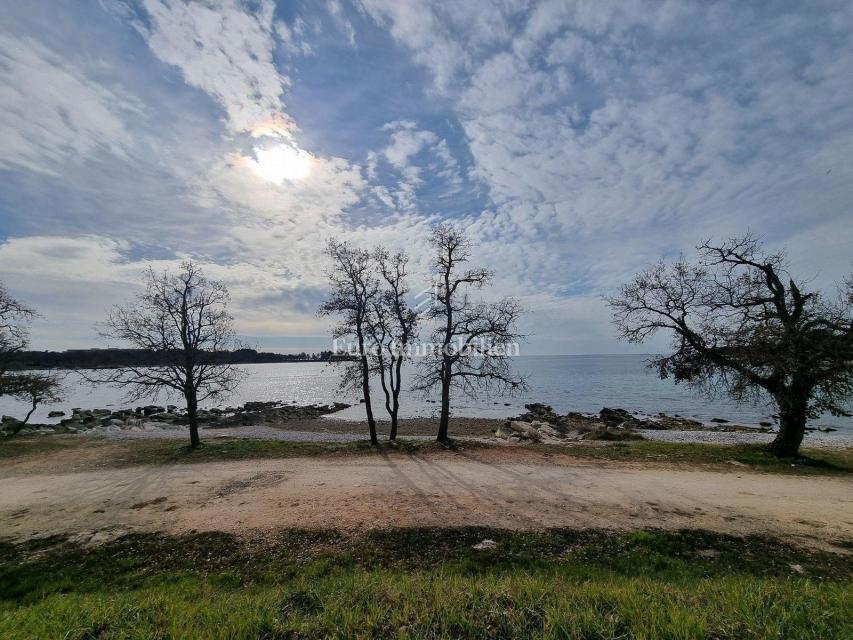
{"x":126,"y":453}
{"x":425,"y":584}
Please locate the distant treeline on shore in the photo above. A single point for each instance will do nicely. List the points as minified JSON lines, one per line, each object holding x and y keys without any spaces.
{"x":107,"y":358}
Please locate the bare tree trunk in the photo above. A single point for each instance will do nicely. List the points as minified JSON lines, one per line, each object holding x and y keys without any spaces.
{"x":365,"y":388}
{"x":445,"y":404}
{"x":35,"y":404}
{"x":793,"y":408}
{"x":192,"y":413}
{"x":395,"y":403}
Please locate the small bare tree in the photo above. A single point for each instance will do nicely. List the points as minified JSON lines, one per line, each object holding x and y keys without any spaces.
{"x":392,"y":326}
{"x":473,"y":341}
{"x":742,"y":326}
{"x":183,"y":320}
{"x":35,"y":388}
{"x":15,"y":318}
{"x":354,"y":292}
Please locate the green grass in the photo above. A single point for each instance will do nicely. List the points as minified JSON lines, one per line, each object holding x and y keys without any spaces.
{"x":124,"y":453}
{"x":424,"y":584}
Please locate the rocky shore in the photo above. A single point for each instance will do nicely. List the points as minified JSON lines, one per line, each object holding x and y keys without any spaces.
{"x":542,"y":424}
{"x":167,"y":418}
{"x":289,"y":421}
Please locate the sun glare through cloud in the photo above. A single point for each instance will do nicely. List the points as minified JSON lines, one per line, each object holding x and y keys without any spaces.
{"x":280,"y":162}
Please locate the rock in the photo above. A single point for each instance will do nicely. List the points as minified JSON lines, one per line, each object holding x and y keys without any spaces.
{"x":151,"y":409}
{"x":525,"y":429}
{"x":797,"y":568}
{"x":55,"y":414}
{"x":485,"y":544}
{"x":614,"y":417}
{"x":720,"y":420}
{"x":101,"y":412}
{"x":765,"y":424}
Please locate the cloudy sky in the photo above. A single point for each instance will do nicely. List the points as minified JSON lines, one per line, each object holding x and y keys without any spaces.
{"x":576,"y":141}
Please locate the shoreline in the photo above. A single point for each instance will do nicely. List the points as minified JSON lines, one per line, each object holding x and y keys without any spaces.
{"x":330,"y":423}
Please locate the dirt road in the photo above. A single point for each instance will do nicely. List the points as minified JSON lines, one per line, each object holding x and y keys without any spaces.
{"x":480,"y":487}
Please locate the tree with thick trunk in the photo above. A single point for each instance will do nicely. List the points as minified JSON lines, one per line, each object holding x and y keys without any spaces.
{"x":355,"y":290}
{"x":742,"y":325}
{"x":473,"y":341}
{"x":183,"y":318}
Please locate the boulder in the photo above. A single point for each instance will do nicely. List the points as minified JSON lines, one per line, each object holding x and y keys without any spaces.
{"x":55,"y":414}
{"x":614,"y":417}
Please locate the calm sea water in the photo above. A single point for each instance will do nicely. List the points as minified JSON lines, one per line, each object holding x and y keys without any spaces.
{"x":568,"y":383}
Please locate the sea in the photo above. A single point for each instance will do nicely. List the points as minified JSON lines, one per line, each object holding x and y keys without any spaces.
{"x":583,"y":383}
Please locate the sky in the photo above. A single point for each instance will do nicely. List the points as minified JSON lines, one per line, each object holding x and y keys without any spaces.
{"x":575,"y":141}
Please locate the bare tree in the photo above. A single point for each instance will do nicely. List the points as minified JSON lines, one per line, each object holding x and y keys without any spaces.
{"x":15,"y":318}
{"x":32,"y":387}
{"x":742,"y":326}
{"x":473,"y":341}
{"x":35,"y":388}
{"x":354,"y":291}
{"x":183,"y":318}
{"x":392,"y":326}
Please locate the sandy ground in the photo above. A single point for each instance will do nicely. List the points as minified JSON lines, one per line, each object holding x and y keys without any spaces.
{"x":510,"y":489}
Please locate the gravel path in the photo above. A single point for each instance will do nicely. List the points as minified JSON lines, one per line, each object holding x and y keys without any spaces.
{"x":832,"y":440}
{"x":498,"y":487}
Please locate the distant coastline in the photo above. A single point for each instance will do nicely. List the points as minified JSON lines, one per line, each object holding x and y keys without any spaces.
{"x":106,"y":358}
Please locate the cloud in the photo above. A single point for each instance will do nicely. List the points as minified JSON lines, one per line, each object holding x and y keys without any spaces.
{"x":575,"y":141}
{"x":406,"y":141}
{"x":226,"y":51}
{"x":57,"y":273}
{"x":336,"y":10}
{"x":51,"y":112}
{"x":597,"y":126}
{"x":293,"y":37}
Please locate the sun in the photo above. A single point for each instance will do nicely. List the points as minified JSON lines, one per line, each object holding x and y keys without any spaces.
{"x":280,"y":162}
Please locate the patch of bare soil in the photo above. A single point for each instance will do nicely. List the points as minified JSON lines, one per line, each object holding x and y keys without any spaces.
{"x":406,"y":427}
{"x":482,"y":487}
